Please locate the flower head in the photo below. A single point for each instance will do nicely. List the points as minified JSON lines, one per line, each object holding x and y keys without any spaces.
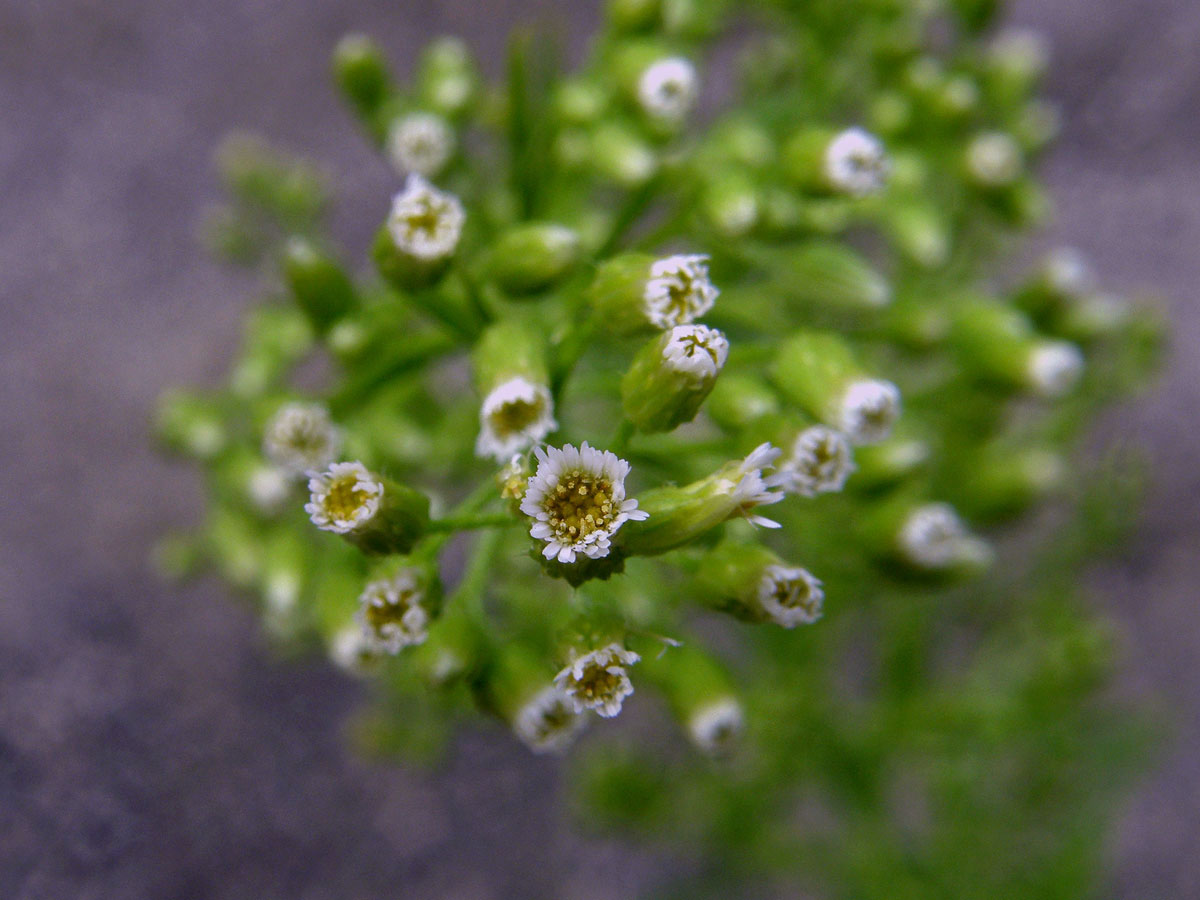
{"x":994,"y":159}
{"x":716,"y":726}
{"x":269,"y":488}
{"x":598,"y":680}
{"x":696,"y":350}
{"x":424,"y":222}
{"x":678,"y":291}
{"x":421,"y":143}
{"x":577,"y":501}
{"x":820,"y":462}
{"x":549,"y":722}
{"x":790,"y":596}
{"x":1055,"y":367}
{"x":515,"y":415}
{"x":869,"y":408}
{"x":345,"y":498}
{"x":856,"y":163}
{"x":750,"y":487}
{"x":934,"y":537}
{"x":667,"y":89}
{"x":390,"y":613}
{"x":300,"y":438}
{"x":349,"y":650}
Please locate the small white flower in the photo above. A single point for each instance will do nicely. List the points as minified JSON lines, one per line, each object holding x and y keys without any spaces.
{"x":1021,"y":49}
{"x":421,"y":143}
{"x":678,"y":291}
{"x":667,"y":89}
{"x":869,"y":409}
{"x":300,"y":438}
{"x":856,"y":163}
{"x":598,"y":680}
{"x":1067,"y":272}
{"x":994,"y":159}
{"x":425,"y":222}
{"x":1055,"y":368}
{"x":716,"y":726}
{"x":515,"y":415}
{"x":269,"y":488}
{"x":820,"y":462}
{"x":749,"y":487}
{"x":696,"y":350}
{"x":549,"y":722}
{"x":790,"y":596}
{"x":934,"y":537}
{"x":344,"y":498}
{"x":349,"y":650}
{"x":390,"y":613}
{"x":577,"y":501}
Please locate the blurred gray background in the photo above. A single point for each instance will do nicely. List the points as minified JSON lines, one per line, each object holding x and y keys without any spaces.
{"x":150,"y":746}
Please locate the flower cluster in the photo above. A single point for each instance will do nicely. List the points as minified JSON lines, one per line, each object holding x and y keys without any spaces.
{"x":602,"y":336}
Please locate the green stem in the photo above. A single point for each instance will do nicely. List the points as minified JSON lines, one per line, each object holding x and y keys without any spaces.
{"x":477,"y":574}
{"x":620,"y":441}
{"x":470,"y":523}
{"x":475,"y":298}
{"x":471,"y":504}
{"x":569,"y":352}
{"x":635,"y":204}
{"x":440,"y":307}
{"x":417,"y":351}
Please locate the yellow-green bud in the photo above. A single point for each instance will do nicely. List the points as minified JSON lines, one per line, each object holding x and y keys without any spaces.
{"x":620,"y":154}
{"x":750,"y":582}
{"x":375,"y":514}
{"x":818,"y":372}
{"x":851,"y":162}
{"x":636,"y":292}
{"x":447,"y":78}
{"x":830,"y":274}
{"x":701,"y":696}
{"x":738,"y":400}
{"x":362,"y":76}
{"x":533,"y":257}
{"x":633,"y":15}
{"x":321,"y":287}
{"x":671,"y":376}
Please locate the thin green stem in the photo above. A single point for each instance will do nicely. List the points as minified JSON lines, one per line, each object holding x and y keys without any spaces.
{"x":477,"y":574}
{"x":470,"y":523}
{"x":620,"y":440}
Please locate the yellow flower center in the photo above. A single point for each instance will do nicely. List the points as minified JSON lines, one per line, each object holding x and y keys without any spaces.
{"x":426,"y":218}
{"x":515,"y":416}
{"x":794,"y":593}
{"x":597,"y":684}
{"x":344,"y":498}
{"x":679,"y":298}
{"x":390,"y":613}
{"x":580,"y":504}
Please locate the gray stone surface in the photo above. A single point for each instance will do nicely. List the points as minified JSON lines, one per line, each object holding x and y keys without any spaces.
{"x":149,"y":744}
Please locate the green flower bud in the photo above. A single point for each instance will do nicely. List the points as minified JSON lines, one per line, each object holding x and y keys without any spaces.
{"x":1016,"y":61}
{"x":1061,"y":279}
{"x":739,"y":400}
{"x":890,"y":113}
{"x":920,"y":231}
{"x":750,"y":582}
{"x":373,"y":513}
{"x":818,"y":372}
{"x":633,"y":15}
{"x":580,"y":102}
{"x":362,"y":75}
{"x":851,"y":162}
{"x":701,"y":696}
{"x":321,"y":287}
{"x":830,"y":274}
{"x":191,"y":424}
{"x":731,"y":204}
{"x":671,"y":376}
{"x":618,"y":153}
{"x":510,"y":373}
{"x":890,"y":462}
{"x":678,"y":515}
{"x":924,"y":537}
{"x":415,"y":246}
{"x":1001,"y":481}
{"x":532,"y":258}
{"x":997,"y":344}
{"x":635,"y":292}
{"x":447,"y":78}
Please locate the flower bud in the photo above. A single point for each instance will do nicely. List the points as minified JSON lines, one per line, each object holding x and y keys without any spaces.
{"x":597,"y":679}
{"x":1062,"y":278}
{"x":994,"y":160}
{"x":851,"y":162}
{"x":932,"y":537}
{"x":361,"y":75}
{"x":621,"y":155}
{"x":731,"y":204}
{"x":920,"y":231}
{"x":420,"y":143}
{"x":300,"y":439}
{"x":191,"y":424}
{"x":667,"y":90}
{"x":1016,"y":61}
{"x":447,"y":79}
{"x":679,"y":515}
{"x":831,"y":275}
{"x":394,"y":612}
{"x":998,"y":344}
{"x":321,"y":287}
{"x":890,"y":462}
{"x":819,"y":461}
{"x":1001,"y":481}
{"x":738,"y":400}
{"x":817,"y":371}
{"x":420,"y":236}
{"x":532,"y":258}
{"x":671,"y":377}
{"x":633,"y":15}
{"x":635,"y":292}
{"x":276,"y":338}
{"x":510,"y":373}
{"x":375,"y":514}
{"x":541,"y":714}
{"x":750,"y":582}
{"x":701,"y":697}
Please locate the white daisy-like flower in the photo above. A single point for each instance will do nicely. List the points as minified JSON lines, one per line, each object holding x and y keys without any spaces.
{"x":934,"y":537}
{"x":869,"y":409}
{"x":549,"y":722}
{"x":390,"y":613}
{"x":598,"y":680}
{"x":716,"y":726}
{"x":994,"y":159}
{"x":678,"y":291}
{"x":1055,"y":368}
{"x":667,"y":89}
{"x":790,"y":596}
{"x":424,"y":222}
{"x":577,"y":501}
{"x":856,"y":163}
{"x":301,"y":438}
{"x":750,"y":487}
{"x":344,"y":498}
{"x":820,"y":462}
{"x":269,"y":488}
{"x":696,"y":350}
{"x":421,"y":143}
{"x":515,"y":415}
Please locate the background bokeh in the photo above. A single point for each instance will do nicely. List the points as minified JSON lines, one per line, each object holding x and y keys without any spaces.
{"x":150,"y":745}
